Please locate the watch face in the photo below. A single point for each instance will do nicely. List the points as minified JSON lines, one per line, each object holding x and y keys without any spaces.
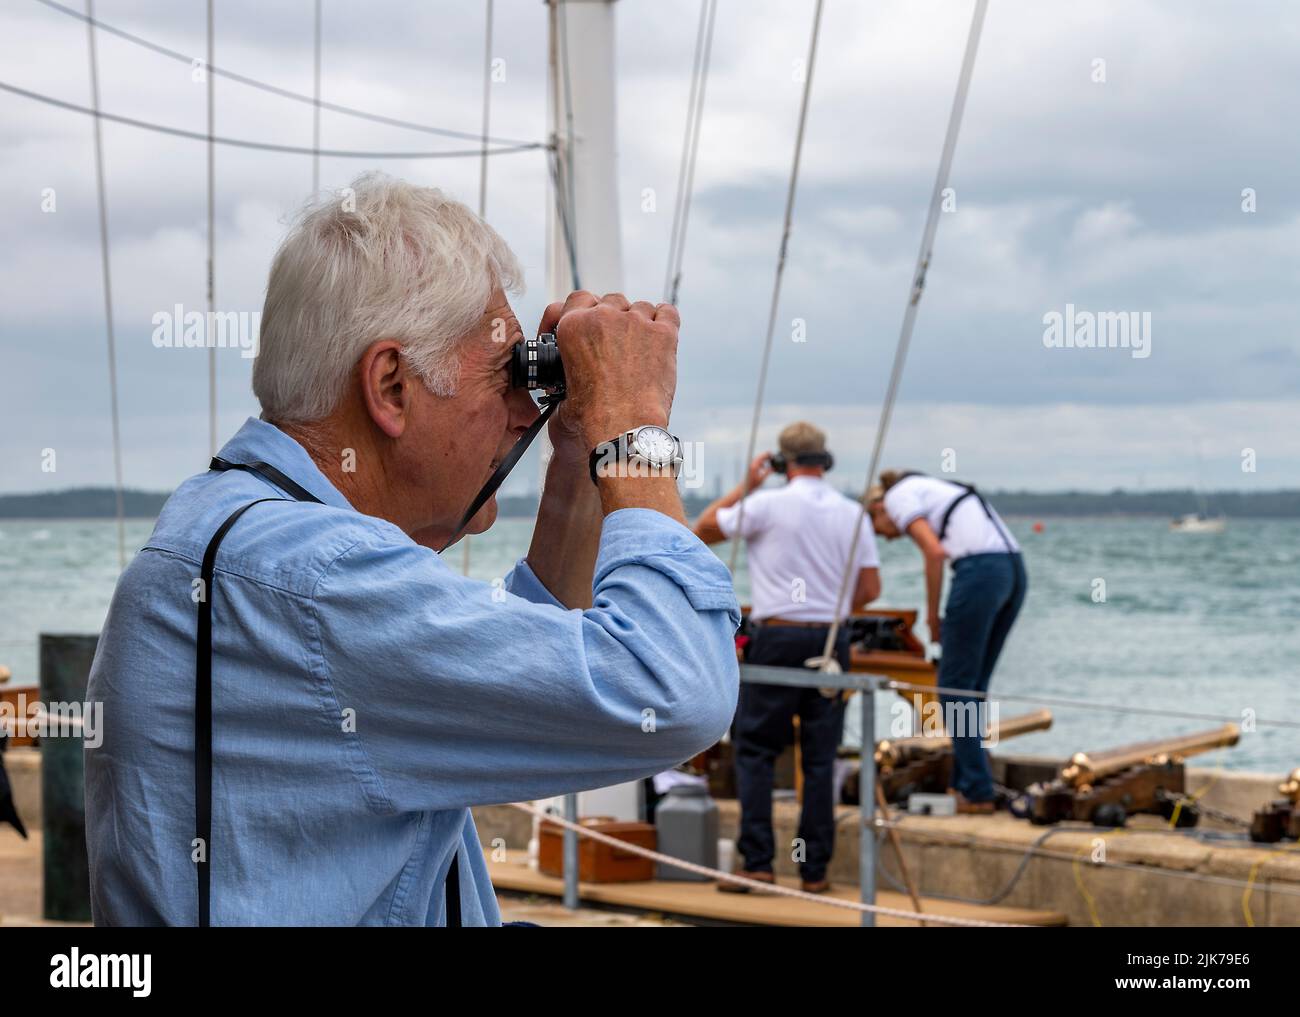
{"x":656,"y":444}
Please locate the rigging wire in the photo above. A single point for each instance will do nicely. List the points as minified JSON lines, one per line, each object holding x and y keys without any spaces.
{"x":212,"y":232}
{"x":482,"y":185}
{"x":315,"y":115}
{"x":1082,"y":704}
{"x":106,"y":268}
{"x":913,"y":301}
{"x":264,"y":146}
{"x":487,"y":111}
{"x":690,"y":149}
{"x":282,"y":92}
{"x":562,"y":213}
{"x":776,"y":284}
{"x":568,"y":175}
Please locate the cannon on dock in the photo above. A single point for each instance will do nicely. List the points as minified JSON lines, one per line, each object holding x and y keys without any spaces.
{"x":906,"y":766}
{"x":1105,"y":788}
{"x":1279,"y":820}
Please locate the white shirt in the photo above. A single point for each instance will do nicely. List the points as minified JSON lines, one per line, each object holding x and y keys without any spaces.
{"x":798,"y":539}
{"x":970,"y":530}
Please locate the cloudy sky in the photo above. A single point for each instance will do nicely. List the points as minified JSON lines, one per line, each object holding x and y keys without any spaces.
{"x":1117,"y":195}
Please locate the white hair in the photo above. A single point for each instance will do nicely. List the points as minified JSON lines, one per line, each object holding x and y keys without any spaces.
{"x":383,"y":259}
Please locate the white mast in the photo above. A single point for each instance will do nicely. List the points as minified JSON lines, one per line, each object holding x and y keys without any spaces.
{"x":585,"y":211}
{"x":582,"y":125}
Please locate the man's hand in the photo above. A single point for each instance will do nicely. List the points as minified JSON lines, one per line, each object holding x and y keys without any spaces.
{"x":620,"y":366}
{"x":759,"y":470}
{"x":936,"y":629}
{"x":620,"y":370}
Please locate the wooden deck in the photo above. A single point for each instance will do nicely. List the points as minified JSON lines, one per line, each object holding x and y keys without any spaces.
{"x":703,"y":900}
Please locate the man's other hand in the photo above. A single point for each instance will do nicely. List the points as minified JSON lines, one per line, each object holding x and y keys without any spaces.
{"x":620,"y":365}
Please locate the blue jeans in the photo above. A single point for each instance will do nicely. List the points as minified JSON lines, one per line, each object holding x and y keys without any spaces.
{"x":764,"y":727}
{"x":983,"y":601}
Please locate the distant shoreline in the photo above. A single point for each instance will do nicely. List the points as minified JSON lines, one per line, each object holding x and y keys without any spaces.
{"x":101,"y":503}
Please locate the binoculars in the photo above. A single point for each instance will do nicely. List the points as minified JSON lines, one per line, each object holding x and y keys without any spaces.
{"x":535,"y":365}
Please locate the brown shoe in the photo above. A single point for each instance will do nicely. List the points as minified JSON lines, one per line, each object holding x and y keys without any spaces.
{"x":817,"y":886}
{"x":759,"y":877}
{"x":966,"y":807}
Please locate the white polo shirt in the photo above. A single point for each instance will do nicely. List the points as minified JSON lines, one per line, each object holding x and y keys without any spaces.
{"x":970,"y":530}
{"x":797,"y":537}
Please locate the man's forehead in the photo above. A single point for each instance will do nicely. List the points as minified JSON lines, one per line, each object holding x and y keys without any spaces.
{"x":498,"y":327}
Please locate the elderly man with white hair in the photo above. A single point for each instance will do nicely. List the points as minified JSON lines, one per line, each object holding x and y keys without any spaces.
{"x":301,"y":699}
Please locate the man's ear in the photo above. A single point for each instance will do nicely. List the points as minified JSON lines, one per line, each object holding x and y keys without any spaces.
{"x":386,"y":386}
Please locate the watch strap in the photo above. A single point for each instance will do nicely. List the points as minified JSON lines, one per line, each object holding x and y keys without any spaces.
{"x":619,"y":450}
{"x":614,"y":450}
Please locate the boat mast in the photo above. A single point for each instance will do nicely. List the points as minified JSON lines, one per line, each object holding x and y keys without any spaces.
{"x":581,"y":115}
{"x":583,"y":233}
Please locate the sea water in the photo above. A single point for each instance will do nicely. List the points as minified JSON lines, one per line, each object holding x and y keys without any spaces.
{"x":1187,"y":623}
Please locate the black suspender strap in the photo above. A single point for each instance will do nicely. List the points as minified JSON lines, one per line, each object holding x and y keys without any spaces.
{"x":452,"y":891}
{"x":268,"y":473}
{"x":969,"y":489}
{"x":967,"y":492}
{"x":203,"y":696}
{"x":203,"y":714}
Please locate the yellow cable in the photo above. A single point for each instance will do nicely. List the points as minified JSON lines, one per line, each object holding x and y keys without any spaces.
{"x":1250,"y":881}
{"x":1078,"y":877}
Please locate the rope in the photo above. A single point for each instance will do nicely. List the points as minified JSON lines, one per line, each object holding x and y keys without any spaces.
{"x":212,"y":234}
{"x":776,"y":284}
{"x":913,"y":300}
{"x":690,"y":149}
{"x":774,"y":889}
{"x":264,"y":146}
{"x":282,"y":92}
{"x":106,"y":267}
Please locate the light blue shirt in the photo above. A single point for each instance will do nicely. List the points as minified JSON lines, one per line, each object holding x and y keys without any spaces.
{"x":365,"y":694}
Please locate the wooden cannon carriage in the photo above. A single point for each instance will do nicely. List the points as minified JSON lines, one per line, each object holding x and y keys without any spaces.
{"x":1105,"y":788}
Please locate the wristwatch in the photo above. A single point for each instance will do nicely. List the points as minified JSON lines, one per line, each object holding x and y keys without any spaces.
{"x":640,"y":452}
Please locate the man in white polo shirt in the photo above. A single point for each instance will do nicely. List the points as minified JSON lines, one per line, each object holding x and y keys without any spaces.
{"x":798,"y":538}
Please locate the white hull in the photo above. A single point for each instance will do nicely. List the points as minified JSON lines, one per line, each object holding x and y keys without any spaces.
{"x":1196,"y":524}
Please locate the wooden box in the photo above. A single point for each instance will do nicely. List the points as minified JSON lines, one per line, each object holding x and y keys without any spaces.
{"x":599,"y":862}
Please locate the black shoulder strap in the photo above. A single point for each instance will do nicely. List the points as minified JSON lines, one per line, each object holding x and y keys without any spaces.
{"x":268,"y":473}
{"x":203,"y":713}
{"x":203,"y":696}
{"x":452,"y":891}
{"x":967,"y":491}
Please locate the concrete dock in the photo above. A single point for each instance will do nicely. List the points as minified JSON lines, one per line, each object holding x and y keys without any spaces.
{"x":1151,"y":876}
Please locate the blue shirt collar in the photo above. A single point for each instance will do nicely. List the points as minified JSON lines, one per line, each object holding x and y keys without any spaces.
{"x":258,"y":441}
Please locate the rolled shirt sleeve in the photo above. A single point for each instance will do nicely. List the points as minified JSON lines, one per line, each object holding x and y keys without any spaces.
{"x":468,"y":693}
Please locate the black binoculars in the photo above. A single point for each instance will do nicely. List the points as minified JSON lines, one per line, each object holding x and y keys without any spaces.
{"x":535,"y":365}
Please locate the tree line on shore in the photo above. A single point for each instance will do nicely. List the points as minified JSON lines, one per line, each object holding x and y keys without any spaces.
{"x":101,"y":503}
